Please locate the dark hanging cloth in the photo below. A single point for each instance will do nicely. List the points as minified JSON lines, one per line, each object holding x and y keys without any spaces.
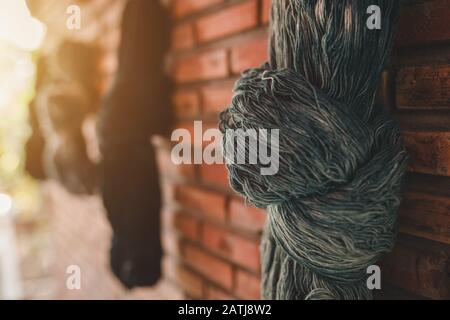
{"x":135,"y":109}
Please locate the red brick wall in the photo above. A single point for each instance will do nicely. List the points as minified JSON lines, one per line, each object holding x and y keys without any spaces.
{"x":211,"y":238}
{"x":420,"y":263}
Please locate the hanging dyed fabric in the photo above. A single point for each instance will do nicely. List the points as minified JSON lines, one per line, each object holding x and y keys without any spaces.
{"x":135,"y":109}
{"x":332,"y":206}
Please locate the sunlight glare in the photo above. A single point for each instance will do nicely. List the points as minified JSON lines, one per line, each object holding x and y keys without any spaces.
{"x":18,"y":27}
{"x":5,"y":204}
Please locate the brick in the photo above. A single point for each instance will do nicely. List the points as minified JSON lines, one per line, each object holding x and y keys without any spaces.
{"x":191,"y":283}
{"x":181,"y":8}
{"x":205,"y":66}
{"x":248,"y":287}
{"x":168,"y":168}
{"x":239,"y":250}
{"x":209,"y":203}
{"x":250,"y":218}
{"x":215,"y":174}
{"x":423,"y":87}
{"x":187,"y":103}
{"x":266,"y":6}
{"x":187,"y":225}
{"x":183,"y":37}
{"x":248,"y":55}
{"x":214,"y":293}
{"x":424,"y":23}
{"x":419,"y":266}
{"x":211,"y":267}
{"x":426,"y":216}
{"x":429,"y":152}
{"x":216,"y":98}
{"x":187,"y":125}
{"x":227,"y":21}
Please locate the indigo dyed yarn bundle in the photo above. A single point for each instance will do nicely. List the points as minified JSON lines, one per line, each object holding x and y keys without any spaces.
{"x":332,"y":206}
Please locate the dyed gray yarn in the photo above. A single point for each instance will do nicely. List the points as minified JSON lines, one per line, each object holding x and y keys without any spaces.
{"x":332,"y":206}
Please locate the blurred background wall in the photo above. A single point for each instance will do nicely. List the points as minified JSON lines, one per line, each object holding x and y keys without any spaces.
{"x":70,"y":227}
{"x":211,"y":238}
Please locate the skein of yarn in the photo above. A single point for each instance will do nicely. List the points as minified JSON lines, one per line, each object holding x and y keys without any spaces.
{"x":134,"y":110}
{"x":333,"y":204}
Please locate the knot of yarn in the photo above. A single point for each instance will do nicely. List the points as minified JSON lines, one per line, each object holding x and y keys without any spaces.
{"x":337,"y":189}
{"x":332,"y":205}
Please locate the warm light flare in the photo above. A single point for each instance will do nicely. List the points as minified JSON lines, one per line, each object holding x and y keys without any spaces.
{"x":18,"y":27}
{"x":5,"y":204}
{"x":20,"y":36}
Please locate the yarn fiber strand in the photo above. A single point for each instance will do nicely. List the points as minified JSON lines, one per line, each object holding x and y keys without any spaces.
{"x":333,"y":204}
